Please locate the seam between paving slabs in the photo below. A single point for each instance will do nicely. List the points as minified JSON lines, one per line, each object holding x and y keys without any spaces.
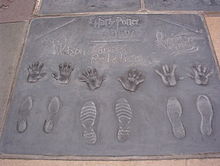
{"x":142,"y":10}
{"x":37,"y":7}
{"x":12,"y":85}
{"x":214,"y":53}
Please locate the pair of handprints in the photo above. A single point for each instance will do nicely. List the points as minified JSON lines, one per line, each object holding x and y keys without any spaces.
{"x":36,"y":73}
{"x":200,"y":75}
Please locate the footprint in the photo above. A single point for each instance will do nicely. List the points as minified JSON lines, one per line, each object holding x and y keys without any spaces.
{"x":53,"y":109}
{"x":87,"y":117}
{"x":124,"y":114}
{"x":205,"y":109}
{"x":174,"y":112}
{"x":24,"y":112}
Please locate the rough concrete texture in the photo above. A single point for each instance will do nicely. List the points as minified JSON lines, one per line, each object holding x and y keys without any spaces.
{"x":214,"y":27}
{"x":73,"y":6}
{"x":12,"y":39}
{"x":145,"y":127}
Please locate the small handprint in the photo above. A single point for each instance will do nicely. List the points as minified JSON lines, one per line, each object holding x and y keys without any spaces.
{"x":35,"y":72}
{"x":201,"y":74}
{"x":65,"y":71}
{"x":168,"y":75}
{"x":132,"y":80}
{"x":92,"y":78}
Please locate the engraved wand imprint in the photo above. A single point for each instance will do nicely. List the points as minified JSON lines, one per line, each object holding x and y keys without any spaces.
{"x":35,"y":72}
{"x":168,"y":75}
{"x":174,"y":113}
{"x":92,"y":78}
{"x":204,"y":106}
{"x":124,"y":114}
{"x":24,"y":111}
{"x":53,"y":109}
{"x":64,"y":75}
{"x":132,"y":80}
{"x":201,"y":75}
{"x":88,"y":117}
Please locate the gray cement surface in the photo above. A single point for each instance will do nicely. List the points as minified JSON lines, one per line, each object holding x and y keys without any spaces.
{"x":184,"y":5}
{"x":66,"y":109}
{"x":77,"y":6}
{"x":12,"y":38}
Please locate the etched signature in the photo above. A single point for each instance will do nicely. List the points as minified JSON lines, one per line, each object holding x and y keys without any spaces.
{"x":99,"y":22}
{"x":180,"y":43}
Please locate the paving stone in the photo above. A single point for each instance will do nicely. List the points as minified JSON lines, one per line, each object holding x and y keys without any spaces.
{"x":16,"y":10}
{"x":91,"y":163}
{"x":184,"y":5}
{"x":209,"y":162}
{"x":12,"y":38}
{"x":214,"y":26}
{"x":114,"y":112}
{"x":72,"y":6}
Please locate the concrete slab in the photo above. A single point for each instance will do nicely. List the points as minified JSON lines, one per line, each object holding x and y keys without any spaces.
{"x":78,"y":6}
{"x":210,"y":162}
{"x":12,"y":39}
{"x":214,"y":26}
{"x":49,"y":115}
{"x":91,"y":163}
{"x":183,"y":5}
{"x":16,"y":10}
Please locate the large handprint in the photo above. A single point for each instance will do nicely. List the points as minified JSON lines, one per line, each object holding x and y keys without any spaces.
{"x":132,"y":80}
{"x":35,"y":72}
{"x":168,"y":75}
{"x":65,"y":71}
{"x":201,"y":74}
{"x":92,"y":78}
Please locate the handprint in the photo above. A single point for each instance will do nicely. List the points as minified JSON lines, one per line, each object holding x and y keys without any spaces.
{"x":92,"y":78}
{"x":65,"y":73}
{"x":168,"y":75}
{"x":132,"y":80}
{"x":201,"y":75}
{"x":35,"y":72}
